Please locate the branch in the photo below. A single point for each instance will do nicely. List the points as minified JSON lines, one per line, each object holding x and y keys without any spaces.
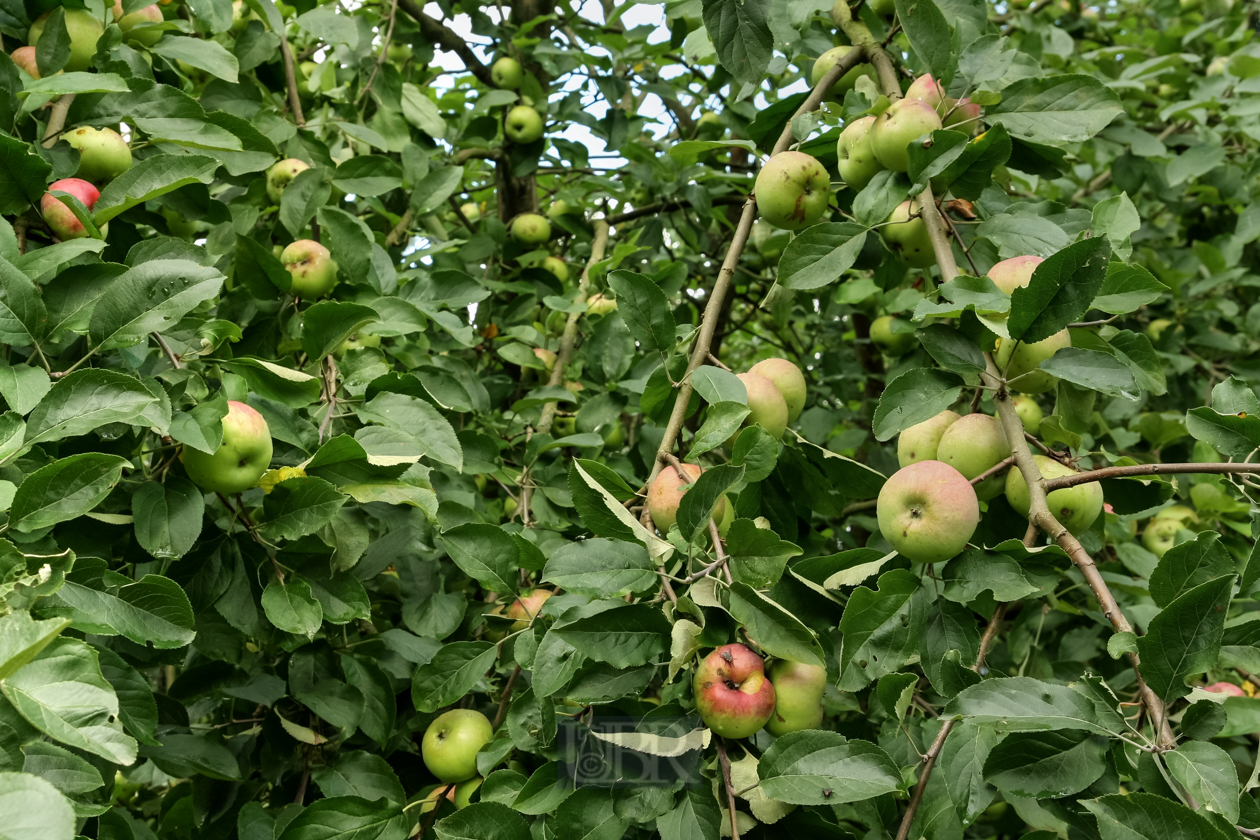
{"x":730,"y":787}
{"x":290,"y":76}
{"x":993,"y":470}
{"x":666,"y":206}
{"x":380,"y":59}
{"x":1144,"y":470}
{"x":166,"y":348}
{"x":57,"y":119}
{"x":399,"y":231}
{"x":862,"y":37}
{"x":437,"y":33}
{"x":507,"y":696}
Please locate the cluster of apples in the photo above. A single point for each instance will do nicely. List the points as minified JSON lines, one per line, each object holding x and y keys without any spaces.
{"x":103,"y":156}
{"x":735,"y":696}
{"x":312,"y":270}
{"x":140,"y":26}
{"x":521,"y":123}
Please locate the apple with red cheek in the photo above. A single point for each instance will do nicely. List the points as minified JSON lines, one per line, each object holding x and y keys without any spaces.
{"x":60,"y":217}
{"x":733,"y":695}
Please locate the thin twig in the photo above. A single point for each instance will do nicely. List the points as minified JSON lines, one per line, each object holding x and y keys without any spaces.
{"x":380,"y":59}
{"x":507,"y":697}
{"x":166,"y":348}
{"x":437,"y":802}
{"x":1145,"y":470}
{"x":730,"y":788}
{"x":718,"y":362}
{"x":993,"y":470}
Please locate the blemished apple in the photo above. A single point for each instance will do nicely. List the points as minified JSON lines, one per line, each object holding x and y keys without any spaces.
{"x":451,"y":744}
{"x":557,"y":267}
{"x":531,"y":229}
{"x":103,"y":154}
{"x":506,"y":73}
{"x":907,"y":236}
{"x":920,"y":441}
{"x":855,"y":157}
{"x":24,"y":57}
{"x":312,"y":270}
{"x":847,"y":81}
{"x":61,"y":218}
{"x":905,"y":121}
{"x":1029,"y":412}
{"x":84,"y":30}
{"x":281,"y":174}
{"x":798,"y":692}
{"x":133,"y":25}
{"x":787,"y":377}
{"x":733,"y":696}
{"x":523,"y":610}
{"x":792,"y":190}
{"x":241,"y":458}
{"x":523,"y":124}
{"x":768,"y":409}
{"x":1022,"y":362}
{"x":927,"y":512}
{"x":666,"y":494}
{"x":972,"y":445}
{"x":597,"y":304}
{"x":894,"y":336}
{"x":1225,"y":688}
{"x":1076,"y":508}
{"x":927,"y":89}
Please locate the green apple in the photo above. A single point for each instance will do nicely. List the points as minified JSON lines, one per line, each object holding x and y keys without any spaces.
{"x":733,"y":696}
{"x":358,"y":341}
{"x":1021,"y":362}
{"x":471,"y":211}
{"x":904,"y":122}
{"x":24,"y":58}
{"x":135,"y":26}
{"x":564,"y":426}
{"x":178,"y":225}
{"x":927,"y":511}
{"x":506,"y":73}
{"x":398,"y":54}
{"x":1155,"y":329}
{"x":103,"y":154}
{"x":312,"y":270}
{"x":523,"y":124}
{"x":972,"y":445}
{"x":597,"y":304}
{"x":768,"y":409}
{"x":281,"y":174}
{"x":894,"y":336}
{"x":1161,"y":532}
{"x":1076,"y":508}
{"x":241,"y":458}
{"x":1029,"y":412}
{"x":920,"y":441}
{"x":855,"y":157}
{"x":793,"y":190}
{"x":787,"y":377}
{"x":464,"y":791}
{"x":927,"y":89}
{"x":242,"y":14}
{"x":886,"y":9}
{"x":847,"y":81}
{"x":451,"y":744}
{"x":84,"y":30}
{"x":61,"y":218}
{"x":531,"y":229}
{"x":557,"y":267}
{"x":907,"y":236}
{"x":614,"y":435}
{"x":666,"y":494}
{"x":798,"y":692}
{"x":559,"y":208}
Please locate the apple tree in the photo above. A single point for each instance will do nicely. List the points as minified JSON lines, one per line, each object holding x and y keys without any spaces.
{"x":854,"y":404}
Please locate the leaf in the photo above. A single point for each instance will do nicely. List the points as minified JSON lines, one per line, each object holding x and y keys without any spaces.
{"x":64,"y":489}
{"x":432,"y":432}
{"x":813,"y":767}
{"x":153,"y":610}
{"x":347,"y":818}
{"x":291,"y":607}
{"x":202,"y":54}
{"x":1060,"y":292}
{"x":917,"y":395}
{"x":881,"y":629}
{"x":1047,"y":765}
{"x":1188,"y":565}
{"x":1055,"y":109}
{"x":328,"y":323}
{"x":451,"y":674}
{"x":151,"y":178}
{"x":820,"y":255}
{"x":624,"y":637}
{"x":486,"y":553}
{"x":721,"y":421}
{"x":952,"y":349}
{"x":22,"y":638}
{"x":741,"y":36}
{"x":61,"y":768}
{"x":1094,"y":370}
{"x":368,"y":175}
{"x":486,"y":821}
{"x":775,"y":630}
{"x":1206,"y":772}
{"x":1185,"y":638}
{"x":645,"y":309}
{"x":696,"y":508}
{"x":23,"y":176}
{"x":271,"y":381}
{"x":300,"y":506}
{"x":962,"y":765}
{"x":151,"y":297}
{"x":23,"y":315}
{"x":421,"y":111}
{"x":689,"y":151}
{"x":757,"y":555}
{"x":1148,"y":816}
{"x":601,"y":568}
{"x":34,"y":809}
{"x":1021,"y":233}
{"x":1127,"y":288}
{"x":360,"y":774}
{"x":75,"y":83}
{"x":350,"y":241}
{"x":86,"y":400}
{"x":1235,"y":436}
{"x":930,"y":37}
{"x":168,"y":517}
{"x":1023,"y":704}
{"x":1117,"y":219}
{"x":695,"y":815}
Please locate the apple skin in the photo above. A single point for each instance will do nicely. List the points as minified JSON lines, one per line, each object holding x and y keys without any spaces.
{"x":148,"y":36}
{"x":599,"y":305}
{"x":1015,"y":273}
{"x":1076,"y":508}
{"x":24,"y":57}
{"x":787,"y":377}
{"x":281,"y":174}
{"x":972,"y":445}
{"x":792,"y":190}
{"x":892,"y":343}
{"x":798,"y":691}
{"x":1161,"y":532}
{"x":907,"y":236}
{"x":103,"y":154}
{"x":557,"y":267}
{"x":884,"y":8}
{"x":526,"y":607}
{"x":58,"y":216}
{"x":733,"y":696}
{"x":846,"y":82}
{"x":312,"y":270}
{"x":506,"y":73}
{"x":84,"y":31}
{"x":928,"y":512}
{"x":523,"y":124}
{"x":451,"y":743}
{"x":920,"y":441}
{"x":904,"y":121}
{"x":855,"y":157}
{"x":531,"y":229}
{"x":560,"y":208}
{"x":765,"y":401}
{"x":1021,"y":363}
{"x":471,"y":212}
{"x":1029,"y":412}
{"x":547,"y":357}
{"x":239,"y":461}
{"x":927,"y":89}
{"x":666,"y":494}
{"x":1225,"y":688}
{"x":358,"y":341}
{"x":962,"y":114}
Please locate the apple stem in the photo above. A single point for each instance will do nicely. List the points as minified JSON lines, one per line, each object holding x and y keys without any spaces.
{"x":730,"y":788}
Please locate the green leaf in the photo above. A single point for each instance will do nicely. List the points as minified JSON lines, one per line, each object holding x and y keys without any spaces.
{"x":1055,"y":109}
{"x":776,"y":630}
{"x":153,"y":610}
{"x":421,"y":111}
{"x":52,"y":50}
{"x":291,"y":607}
{"x":688,"y":152}
{"x":1021,"y":233}
{"x":721,"y":420}
{"x":1207,"y":773}
{"x":451,"y":674}
{"x":1126,"y":289}
{"x":645,"y":309}
{"x":486,"y":821}
{"x":1061,"y":291}
{"x":187,"y":755}
{"x":200,"y":53}
{"x":86,"y":400}
{"x":1185,"y":638}
{"x":813,"y":767}
{"x":23,"y":176}
{"x":348,"y":818}
{"x":757,"y":555}
{"x":151,"y":178}
{"x":962,"y":765}
{"x":360,"y":774}
{"x":930,"y":37}
{"x":368,"y":175}
{"x":820,"y":255}
{"x":64,"y":490}
{"x":328,"y":323}
{"x":22,"y":638}
{"x":1047,"y":765}
{"x":1188,"y":565}
{"x":271,"y":381}
{"x":300,"y":506}
{"x":881,"y":629}
{"x":151,"y":297}
{"x":34,"y":809}
{"x":1148,"y":816}
{"x":696,"y":508}
{"x":350,"y":241}
{"x":917,"y":395}
{"x":305,"y":196}
{"x":952,"y":349}
{"x":741,"y":35}
{"x":431,"y":431}
{"x":1235,"y":436}
{"x":695,"y":815}
{"x":486,"y":553}
{"x":23,"y":316}
{"x":136,"y":707}
{"x":601,"y":568}
{"x":1094,"y":370}
{"x":37,"y":263}
{"x":61,"y":768}
{"x":624,"y":637}
{"x":168,"y":517}
{"x":75,"y":83}
{"x":1117,"y":219}
{"x":1023,"y":704}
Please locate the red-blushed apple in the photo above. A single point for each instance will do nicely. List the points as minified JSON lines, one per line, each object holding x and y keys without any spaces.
{"x":24,"y":57}
{"x":1225,"y":688}
{"x":798,"y":692}
{"x":927,"y":89}
{"x":847,"y":81}
{"x":793,"y":190}
{"x":312,"y":270}
{"x":103,"y":154}
{"x":597,"y":304}
{"x":972,"y":445}
{"x":920,"y":441}
{"x":787,"y":377}
{"x":907,"y":236}
{"x":928,"y":512}
{"x":84,"y":30}
{"x":768,"y":409}
{"x":962,"y":115}
{"x":531,"y":229}
{"x":506,"y":73}
{"x":451,"y":744}
{"x":61,"y":218}
{"x":1029,"y":412}
{"x":281,"y":174}
{"x":1022,"y":362}
{"x":523,"y":610}
{"x":733,"y":696}
{"x":1015,"y":273}
{"x":894,"y":336}
{"x":241,"y":458}
{"x":557,"y":267}
{"x":666,"y":494}
{"x":1076,"y":508}
{"x":905,"y":121}
{"x":854,"y":155}
{"x":133,"y":25}
{"x":523,"y":124}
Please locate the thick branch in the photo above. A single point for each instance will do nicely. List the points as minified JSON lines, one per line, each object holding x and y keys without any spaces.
{"x":57,"y":119}
{"x":290,"y":77}
{"x":437,"y":33}
{"x":1144,"y":470}
{"x":666,"y":206}
{"x":862,"y":37}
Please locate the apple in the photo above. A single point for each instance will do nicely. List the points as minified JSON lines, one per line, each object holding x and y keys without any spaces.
{"x":733,"y":696}
{"x":146,"y":35}
{"x":557,"y":267}
{"x":357,"y":341}
{"x":471,"y":211}
{"x":1021,"y":362}
{"x":894,"y":336}
{"x":312,"y":270}
{"x":766,"y":403}
{"x":903,"y":122}
{"x":242,"y":14}
{"x":523,"y":124}
{"x":920,"y":441}
{"x":559,"y":208}
{"x":24,"y":57}
{"x":1156,"y":328}
{"x":523,"y":610}
{"x":451,"y":744}
{"x":927,"y":511}
{"x":856,"y":159}
{"x":963,"y":114}
{"x":973,"y":444}
{"x":884,"y":8}
{"x":103,"y":154}
{"x":788,"y":378}
{"x":1216,"y":68}
{"x":614,"y":435}
{"x":1225,"y":688}
{"x":1015,"y":273}
{"x":798,"y":691}
{"x":398,"y":54}
{"x":1161,"y":532}
{"x":847,"y":81}
{"x":178,"y":225}
{"x":281,"y":174}
{"x":531,"y":229}
{"x":506,"y":73}
{"x":1029,"y":412}
{"x":241,"y":458}
{"x":666,"y":494}
{"x":1076,"y":508}
{"x":547,"y":357}
{"x":84,"y":31}
{"x":906,"y":235}
{"x":564,"y":426}
{"x":792,"y":190}
{"x":926,"y":89}
{"x":597,"y":304}
{"x":60,"y":217}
